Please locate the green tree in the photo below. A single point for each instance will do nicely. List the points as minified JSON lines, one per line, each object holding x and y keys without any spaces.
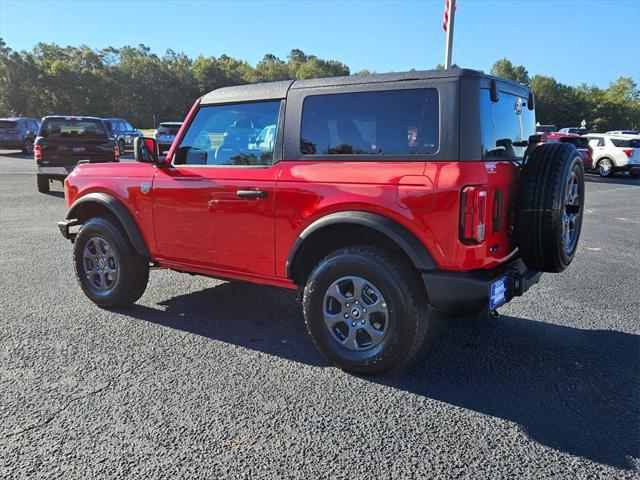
{"x":505,"y":69}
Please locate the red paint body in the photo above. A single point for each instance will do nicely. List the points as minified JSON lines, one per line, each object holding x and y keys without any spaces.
{"x":192,"y":220}
{"x":586,"y":154}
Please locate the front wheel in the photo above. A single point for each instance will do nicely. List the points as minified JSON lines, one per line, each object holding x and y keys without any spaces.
{"x":109,"y":270}
{"x":605,"y":167}
{"x":365,"y":309}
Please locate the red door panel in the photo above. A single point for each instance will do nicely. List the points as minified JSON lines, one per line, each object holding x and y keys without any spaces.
{"x":211,"y":217}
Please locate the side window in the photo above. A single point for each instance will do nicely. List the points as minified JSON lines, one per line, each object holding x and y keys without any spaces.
{"x":503,"y":123}
{"x":32,"y":125}
{"x":400,"y":122}
{"x":234,"y":134}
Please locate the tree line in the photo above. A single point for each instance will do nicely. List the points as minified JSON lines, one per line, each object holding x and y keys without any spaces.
{"x":134,"y":83}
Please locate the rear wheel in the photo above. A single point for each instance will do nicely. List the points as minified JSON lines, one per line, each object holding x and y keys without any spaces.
{"x":365,"y":309}
{"x":27,"y":146}
{"x":109,"y":270}
{"x":605,"y":167}
{"x":121,"y":147}
{"x":43,"y":183}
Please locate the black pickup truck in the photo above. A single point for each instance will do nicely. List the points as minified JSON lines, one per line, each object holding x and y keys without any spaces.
{"x":63,"y":141}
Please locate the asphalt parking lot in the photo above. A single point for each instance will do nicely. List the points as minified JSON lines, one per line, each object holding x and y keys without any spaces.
{"x":207,"y":379}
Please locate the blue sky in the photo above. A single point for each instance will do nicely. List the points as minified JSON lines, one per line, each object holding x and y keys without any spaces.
{"x":574,"y":41}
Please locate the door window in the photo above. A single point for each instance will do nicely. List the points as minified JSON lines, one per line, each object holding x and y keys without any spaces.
{"x":229,"y":135}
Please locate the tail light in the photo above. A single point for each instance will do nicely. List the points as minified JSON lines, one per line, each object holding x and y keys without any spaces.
{"x":37,"y":152}
{"x":473,"y":214}
{"x":628,"y":152}
{"x":116,"y":154}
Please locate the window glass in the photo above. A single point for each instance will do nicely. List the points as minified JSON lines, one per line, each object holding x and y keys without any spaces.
{"x":7,"y":124}
{"x":392,"y":122}
{"x":503,"y":123}
{"x":619,"y":142}
{"x":72,"y":128}
{"x":227,"y":135}
{"x":32,"y":125}
{"x":128,"y":127}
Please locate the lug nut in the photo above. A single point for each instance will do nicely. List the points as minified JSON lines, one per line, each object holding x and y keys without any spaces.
{"x":347,"y":305}
{"x":362,"y":322}
{"x":346,"y":315}
{"x":353,"y":324}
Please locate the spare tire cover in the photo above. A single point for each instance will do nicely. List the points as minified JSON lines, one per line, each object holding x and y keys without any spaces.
{"x":550,"y":207}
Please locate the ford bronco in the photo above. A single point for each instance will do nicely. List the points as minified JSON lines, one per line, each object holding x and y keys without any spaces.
{"x":379,"y":198}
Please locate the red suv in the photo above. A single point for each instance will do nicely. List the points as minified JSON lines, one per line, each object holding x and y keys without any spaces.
{"x":581,"y":143}
{"x":374,"y":197}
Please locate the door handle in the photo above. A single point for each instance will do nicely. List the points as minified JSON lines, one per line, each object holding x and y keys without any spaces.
{"x":251,"y":194}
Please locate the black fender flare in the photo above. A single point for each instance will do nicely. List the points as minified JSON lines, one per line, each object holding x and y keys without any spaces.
{"x":399,"y":234}
{"x":119,"y":211}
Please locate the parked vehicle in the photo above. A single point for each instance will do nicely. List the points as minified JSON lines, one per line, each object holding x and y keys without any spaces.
{"x":576,"y":130}
{"x":540,"y":129}
{"x":615,"y":153}
{"x":64,"y":141}
{"x":165,"y":135}
{"x":123,"y":132}
{"x":581,"y":143}
{"x":19,"y":132}
{"x":380,"y":195}
{"x":623,"y":132}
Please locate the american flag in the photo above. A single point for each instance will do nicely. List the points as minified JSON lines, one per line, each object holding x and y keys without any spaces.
{"x":446,"y":13}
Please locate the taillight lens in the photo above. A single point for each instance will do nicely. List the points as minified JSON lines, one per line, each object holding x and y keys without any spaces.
{"x":37,"y":152}
{"x":628,"y":152}
{"x":473,"y":214}
{"x":116,"y":153}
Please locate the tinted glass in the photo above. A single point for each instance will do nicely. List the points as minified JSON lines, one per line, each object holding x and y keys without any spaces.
{"x":579,"y":142}
{"x":392,"y":122}
{"x":633,"y":143}
{"x":226,"y":135}
{"x":7,"y":124}
{"x":32,"y":125}
{"x":504,"y":122}
{"x":171,"y":129}
{"x":72,"y":128}
{"x":128,"y":127}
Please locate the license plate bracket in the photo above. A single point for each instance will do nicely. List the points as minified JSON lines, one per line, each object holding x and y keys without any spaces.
{"x":498,"y":292}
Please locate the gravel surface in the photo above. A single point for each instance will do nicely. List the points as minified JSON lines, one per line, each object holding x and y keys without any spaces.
{"x":207,"y":379}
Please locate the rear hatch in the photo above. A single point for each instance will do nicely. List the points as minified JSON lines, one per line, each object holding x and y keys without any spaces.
{"x":67,"y":140}
{"x":9,"y":130}
{"x":630,"y":146}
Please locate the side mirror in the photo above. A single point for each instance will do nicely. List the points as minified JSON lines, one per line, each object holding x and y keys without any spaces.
{"x":145,"y":150}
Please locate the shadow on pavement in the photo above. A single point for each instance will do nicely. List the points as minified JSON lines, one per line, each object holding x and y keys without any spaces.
{"x":17,"y":154}
{"x":618,"y":179}
{"x":573,"y":390}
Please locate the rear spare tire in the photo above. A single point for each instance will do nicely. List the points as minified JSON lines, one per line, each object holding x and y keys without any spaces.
{"x":550,"y":207}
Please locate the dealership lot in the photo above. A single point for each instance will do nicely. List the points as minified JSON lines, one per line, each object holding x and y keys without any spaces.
{"x":207,"y":378}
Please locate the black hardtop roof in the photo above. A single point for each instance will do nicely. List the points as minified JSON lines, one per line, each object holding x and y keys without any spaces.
{"x":279,"y":89}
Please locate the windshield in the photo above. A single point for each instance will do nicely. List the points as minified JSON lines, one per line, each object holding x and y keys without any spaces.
{"x":72,"y":128}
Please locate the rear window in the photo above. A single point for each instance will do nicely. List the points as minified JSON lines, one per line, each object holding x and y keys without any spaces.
{"x":579,"y":142}
{"x":395,"y":122}
{"x":7,"y":124}
{"x":72,"y":128}
{"x":171,"y":129}
{"x":503,"y":123}
{"x":619,"y":142}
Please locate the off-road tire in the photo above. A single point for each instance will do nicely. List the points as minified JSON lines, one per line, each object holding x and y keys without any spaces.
{"x":406,"y":301}
{"x":542,"y":208}
{"x":43,"y":183}
{"x":133,"y":271}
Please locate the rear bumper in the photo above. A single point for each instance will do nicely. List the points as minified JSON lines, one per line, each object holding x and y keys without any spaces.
{"x":58,"y":171}
{"x":460,"y":293}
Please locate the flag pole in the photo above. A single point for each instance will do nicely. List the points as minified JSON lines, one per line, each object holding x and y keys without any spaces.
{"x":450,"y":12}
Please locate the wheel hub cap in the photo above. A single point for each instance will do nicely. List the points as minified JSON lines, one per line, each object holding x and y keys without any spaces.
{"x":100,"y":265}
{"x":355,"y":313}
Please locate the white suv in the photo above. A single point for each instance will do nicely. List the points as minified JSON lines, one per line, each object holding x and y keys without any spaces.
{"x":615,"y":153}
